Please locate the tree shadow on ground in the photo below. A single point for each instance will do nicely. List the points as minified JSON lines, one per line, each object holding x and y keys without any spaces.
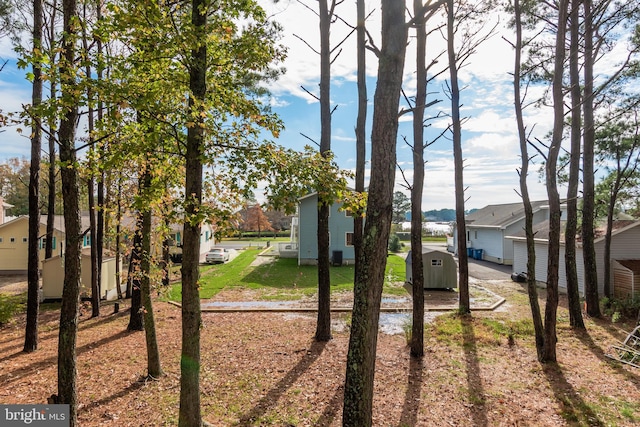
{"x":597,"y":351}
{"x":272,"y":397}
{"x":24,"y":370}
{"x":574,"y":408}
{"x":475,"y":391}
{"x":108,"y":399}
{"x":332,"y":408}
{"x":411,"y":405}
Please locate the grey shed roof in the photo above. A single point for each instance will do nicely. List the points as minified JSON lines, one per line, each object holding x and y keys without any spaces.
{"x":500,"y":216}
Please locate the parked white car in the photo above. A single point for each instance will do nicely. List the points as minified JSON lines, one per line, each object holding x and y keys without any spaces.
{"x":217,"y":255}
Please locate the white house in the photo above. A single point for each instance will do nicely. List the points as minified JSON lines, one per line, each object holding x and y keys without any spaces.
{"x":625,"y":246}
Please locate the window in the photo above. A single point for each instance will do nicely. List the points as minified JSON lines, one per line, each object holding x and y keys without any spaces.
{"x":348,"y":239}
{"x":13,"y":240}
{"x":436,"y":263}
{"x":347,"y":213}
{"x":475,"y":235}
{"x":25,"y":239}
{"x":0,"y":239}
{"x":468,"y":236}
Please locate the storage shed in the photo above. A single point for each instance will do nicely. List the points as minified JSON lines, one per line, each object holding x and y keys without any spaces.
{"x":53,"y":278}
{"x":626,"y":277}
{"x":440,"y":270}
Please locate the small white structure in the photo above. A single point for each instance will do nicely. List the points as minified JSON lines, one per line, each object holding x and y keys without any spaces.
{"x":53,"y":278}
{"x":439,"y":270}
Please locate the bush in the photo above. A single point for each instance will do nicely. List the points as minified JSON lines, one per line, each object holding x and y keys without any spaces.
{"x":10,"y":305}
{"x":623,"y":308}
{"x":394,"y":243}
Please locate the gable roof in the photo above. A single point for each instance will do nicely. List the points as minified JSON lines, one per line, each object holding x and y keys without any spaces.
{"x":541,"y":231}
{"x":500,"y":216}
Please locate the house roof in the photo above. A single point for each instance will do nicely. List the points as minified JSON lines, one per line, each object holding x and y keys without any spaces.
{"x":500,"y":216}
{"x":541,"y":231}
{"x":631,"y":264}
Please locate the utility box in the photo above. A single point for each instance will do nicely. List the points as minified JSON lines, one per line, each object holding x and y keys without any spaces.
{"x":336,"y":258}
{"x":440,"y":271}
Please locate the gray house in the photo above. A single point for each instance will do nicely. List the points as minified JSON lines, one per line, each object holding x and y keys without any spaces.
{"x":340,"y":232}
{"x":625,"y":255}
{"x":488,"y":228}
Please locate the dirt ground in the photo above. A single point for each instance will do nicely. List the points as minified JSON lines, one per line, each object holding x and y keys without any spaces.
{"x":264,"y":369}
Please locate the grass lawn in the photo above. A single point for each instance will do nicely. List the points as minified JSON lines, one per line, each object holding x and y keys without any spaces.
{"x":284,"y":278}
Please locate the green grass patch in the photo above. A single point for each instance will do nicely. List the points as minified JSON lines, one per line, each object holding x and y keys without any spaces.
{"x":468,"y":331}
{"x":10,"y":305}
{"x":283,"y":278}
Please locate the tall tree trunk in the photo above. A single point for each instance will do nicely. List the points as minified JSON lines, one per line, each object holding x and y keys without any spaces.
{"x":51,"y":196}
{"x":417,"y":268}
{"x":99,"y":241}
{"x":153,"y":354}
{"x":550,"y":314}
{"x":117,"y":243}
{"x":67,"y":370}
{"x":361,"y":120}
{"x":532,"y":289}
{"x":369,"y":278}
{"x":95,"y":286}
{"x":607,"y":244}
{"x":588,"y":186}
{"x":323,"y":327}
{"x":136,"y":318}
{"x":463,"y":267}
{"x":573,"y":294}
{"x":33,"y":259}
{"x":190,"y":414}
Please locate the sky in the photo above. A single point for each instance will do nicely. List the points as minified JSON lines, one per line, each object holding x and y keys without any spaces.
{"x":489,"y":135}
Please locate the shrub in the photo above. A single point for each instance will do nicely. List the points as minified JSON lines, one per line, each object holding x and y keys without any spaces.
{"x":10,"y":305}
{"x":394,"y":243}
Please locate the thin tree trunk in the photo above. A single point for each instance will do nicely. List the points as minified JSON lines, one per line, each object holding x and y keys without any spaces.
{"x":95,"y":287}
{"x":463,"y":267}
{"x":51,"y":196}
{"x":67,"y":369}
{"x":532,"y":289}
{"x":190,"y":414}
{"x":417,"y":268}
{"x":573,"y":294}
{"x":361,"y":120}
{"x":136,"y":318}
{"x":323,"y":326}
{"x":588,"y":186}
{"x":117,"y":251}
{"x":550,"y":314}
{"x":607,"y":245}
{"x":33,"y":259}
{"x":153,"y":354}
{"x":99,"y":241}
{"x":369,"y":277}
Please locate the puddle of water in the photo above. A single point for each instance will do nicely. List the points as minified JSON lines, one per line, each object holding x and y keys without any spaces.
{"x":395,"y":300}
{"x":252,"y":304}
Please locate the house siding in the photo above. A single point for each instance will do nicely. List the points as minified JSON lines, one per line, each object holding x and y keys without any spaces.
{"x":624,"y":245}
{"x":339,"y":225}
{"x":14,"y":255}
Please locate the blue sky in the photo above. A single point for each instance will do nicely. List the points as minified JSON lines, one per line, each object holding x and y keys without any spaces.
{"x":490,"y":144}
